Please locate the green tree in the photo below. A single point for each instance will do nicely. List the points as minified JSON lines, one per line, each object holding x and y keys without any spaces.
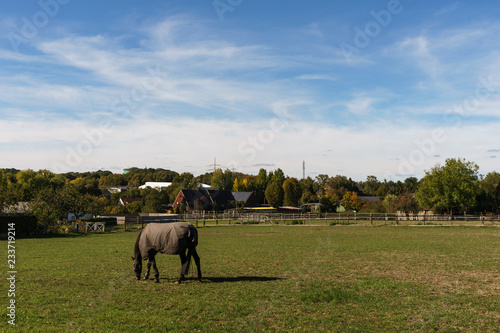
{"x":407,"y":203}
{"x":326,"y":204}
{"x":112,"y":180}
{"x":275,"y":194}
{"x":97,"y":205}
{"x":261,"y":185}
{"x":450,"y":188}
{"x":31,"y":182}
{"x":371,"y":186}
{"x":222,"y":180}
{"x":74,"y":202}
{"x":155,"y":201}
{"x":489,"y":197}
{"x":321,"y":184}
{"x":87,"y":185}
{"x":47,"y":206}
{"x":308,"y":197}
{"x":134,"y":207}
{"x":292,"y":191}
{"x":278,"y":177}
{"x":390,"y":203}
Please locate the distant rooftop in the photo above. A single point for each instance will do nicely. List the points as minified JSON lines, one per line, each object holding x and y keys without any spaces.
{"x":156,"y":185}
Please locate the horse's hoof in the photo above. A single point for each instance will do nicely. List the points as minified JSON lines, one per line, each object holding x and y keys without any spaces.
{"x":157,"y":281}
{"x":145,"y":278}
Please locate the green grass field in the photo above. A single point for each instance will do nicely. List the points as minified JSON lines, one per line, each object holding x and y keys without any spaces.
{"x":265,"y":278}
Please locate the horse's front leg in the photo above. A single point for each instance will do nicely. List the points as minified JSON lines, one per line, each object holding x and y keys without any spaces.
{"x":148,"y":268}
{"x":152,"y":262}
{"x":157,"y":274}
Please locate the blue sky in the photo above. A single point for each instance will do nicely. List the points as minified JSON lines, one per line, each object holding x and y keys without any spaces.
{"x":357,"y":88}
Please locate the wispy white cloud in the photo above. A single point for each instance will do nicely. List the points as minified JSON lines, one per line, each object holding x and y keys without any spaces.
{"x":217,"y":92}
{"x":446,"y":10}
{"x":360,"y":105}
{"x":316,"y":77}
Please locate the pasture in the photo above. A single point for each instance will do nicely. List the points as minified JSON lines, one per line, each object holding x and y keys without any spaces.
{"x":266,"y":278}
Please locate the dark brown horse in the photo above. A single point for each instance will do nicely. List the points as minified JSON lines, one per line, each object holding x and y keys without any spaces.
{"x":166,"y":238}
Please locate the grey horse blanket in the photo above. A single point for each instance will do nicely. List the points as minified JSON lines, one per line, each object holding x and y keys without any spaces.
{"x":167,"y":238}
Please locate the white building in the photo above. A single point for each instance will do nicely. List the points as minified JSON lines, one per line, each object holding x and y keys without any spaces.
{"x":156,"y":185}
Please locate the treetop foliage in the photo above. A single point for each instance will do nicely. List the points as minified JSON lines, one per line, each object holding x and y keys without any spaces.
{"x":453,"y":187}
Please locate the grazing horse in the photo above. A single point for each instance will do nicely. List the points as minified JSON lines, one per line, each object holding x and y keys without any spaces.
{"x":167,"y":238}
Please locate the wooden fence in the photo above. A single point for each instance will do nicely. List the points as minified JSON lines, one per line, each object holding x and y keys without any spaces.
{"x":233,"y":217}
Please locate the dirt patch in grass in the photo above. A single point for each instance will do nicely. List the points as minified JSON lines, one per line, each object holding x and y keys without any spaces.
{"x":433,"y":271}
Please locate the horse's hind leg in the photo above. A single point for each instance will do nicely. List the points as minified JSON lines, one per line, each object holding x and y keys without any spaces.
{"x":184,"y":267}
{"x":197,"y":261}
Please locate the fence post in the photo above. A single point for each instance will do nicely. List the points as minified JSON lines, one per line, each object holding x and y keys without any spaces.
{"x":424,"y":218}
{"x":371,"y":218}
{"x":397,"y":219}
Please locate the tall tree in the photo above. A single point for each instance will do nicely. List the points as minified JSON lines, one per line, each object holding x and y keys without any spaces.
{"x":278,"y":176}
{"x":450,"y":188}
{"x":261,"y":185}
{"x":390,"y":203}
{"x":275,"y":194}
{"x":371,"y":186}
{"x":236,"y":185}
{"x":489,"y":198}
{"x":222,"y":180}
{"x":292,"y":191}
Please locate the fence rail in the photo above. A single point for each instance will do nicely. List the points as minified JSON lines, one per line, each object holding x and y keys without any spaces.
{"x":232,"y":217}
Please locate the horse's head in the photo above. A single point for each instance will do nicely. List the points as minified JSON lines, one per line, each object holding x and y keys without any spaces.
{"x":137,"y":267}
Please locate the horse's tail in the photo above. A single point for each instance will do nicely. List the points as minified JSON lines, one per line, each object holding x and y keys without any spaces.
{"x":193,"y":235}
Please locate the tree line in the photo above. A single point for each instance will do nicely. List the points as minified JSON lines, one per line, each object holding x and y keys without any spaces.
{"x":455,"y":187}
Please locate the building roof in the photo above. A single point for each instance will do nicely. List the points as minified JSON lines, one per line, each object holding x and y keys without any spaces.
{"x":156,"y":185}
{"x":370,"y":199}
{"x":209,"y":197}
{"x":126,"y":201}
{"x":242,"y":196}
